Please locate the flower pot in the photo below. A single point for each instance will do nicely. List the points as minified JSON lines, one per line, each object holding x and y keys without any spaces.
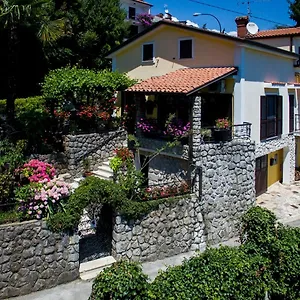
{"x":222,"y":135}
{"x":87,"y":174}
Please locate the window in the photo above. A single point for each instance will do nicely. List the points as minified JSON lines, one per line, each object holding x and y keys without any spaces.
{"x":131,"y":13}
{"x":271,"y":116}
{"x":186,"y":48}
{"x":148,"y":52}
{"x":292,"y":112}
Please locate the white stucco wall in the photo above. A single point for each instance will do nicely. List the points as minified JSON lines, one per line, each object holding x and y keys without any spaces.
{"x":256,"y":68}
{"x":139,"y":8}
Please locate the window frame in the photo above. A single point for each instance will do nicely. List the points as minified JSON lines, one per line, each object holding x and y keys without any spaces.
{"x":185,"y":39}
{"x":153,"y":52}
{"x":268,"y":122}
{"x":129,"y":16}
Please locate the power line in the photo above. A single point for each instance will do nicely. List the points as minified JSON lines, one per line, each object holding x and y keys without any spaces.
{"x":236,"y":12}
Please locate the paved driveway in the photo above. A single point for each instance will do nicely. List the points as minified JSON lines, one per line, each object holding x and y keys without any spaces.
{"x":284,"y":201}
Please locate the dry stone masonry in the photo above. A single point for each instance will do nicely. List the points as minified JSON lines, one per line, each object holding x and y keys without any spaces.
{"x":228,"y":186}
{"x":32,"y":258}
{"x":172,"y":229}
{"x":97,"y":147}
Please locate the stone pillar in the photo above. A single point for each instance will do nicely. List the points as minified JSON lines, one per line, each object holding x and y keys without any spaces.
{"x":289,"y":161}
{"x":140,"y":110}
{"x":196,"y":142}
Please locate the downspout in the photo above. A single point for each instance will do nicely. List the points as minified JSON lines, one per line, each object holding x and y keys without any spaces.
{"x":291,"y":43}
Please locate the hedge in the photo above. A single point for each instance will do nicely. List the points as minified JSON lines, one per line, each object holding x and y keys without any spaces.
{"x":94,"y":190}
{"x":249,"y":272}
{"x":22,"y":103}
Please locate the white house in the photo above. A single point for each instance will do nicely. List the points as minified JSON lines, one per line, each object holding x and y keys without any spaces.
{"x":244,"y":80}
{"x":133,"y":9}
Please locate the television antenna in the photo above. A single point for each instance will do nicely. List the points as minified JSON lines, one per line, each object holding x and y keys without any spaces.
{"x":249,"y":2}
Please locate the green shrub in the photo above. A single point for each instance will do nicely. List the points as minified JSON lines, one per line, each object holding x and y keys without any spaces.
{"x":91,"y":191}
{"x":217,"y":274}
{"x":82,"y":86}
{"x":277,"y":243}
{"x":22,"y":102}
{"x":122,"y":281}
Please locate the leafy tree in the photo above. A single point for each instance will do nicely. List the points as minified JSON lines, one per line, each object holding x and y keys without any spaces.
{"x":28,"y":13}
{"x":94,"y":27}
{"x":294,"y":11}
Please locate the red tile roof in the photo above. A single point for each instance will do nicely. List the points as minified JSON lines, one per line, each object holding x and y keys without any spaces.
{"x":183,"y":81}
{"x":275,"y":33}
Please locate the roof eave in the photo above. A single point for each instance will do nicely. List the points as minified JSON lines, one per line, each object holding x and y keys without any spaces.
{"x":203,"y":31}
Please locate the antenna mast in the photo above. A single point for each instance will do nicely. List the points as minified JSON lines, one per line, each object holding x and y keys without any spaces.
{"x":248,"y":2}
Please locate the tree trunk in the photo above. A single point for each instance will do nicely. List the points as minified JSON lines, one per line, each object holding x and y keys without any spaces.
{"x":12,"y":72}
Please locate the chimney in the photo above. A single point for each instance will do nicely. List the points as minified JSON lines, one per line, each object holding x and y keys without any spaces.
{"x":241,"y":23}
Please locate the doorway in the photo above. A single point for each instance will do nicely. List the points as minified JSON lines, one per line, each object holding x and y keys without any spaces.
{"x":261,"y":175}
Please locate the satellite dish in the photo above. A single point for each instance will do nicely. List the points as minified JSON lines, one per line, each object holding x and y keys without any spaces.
{"x":252,"y":28}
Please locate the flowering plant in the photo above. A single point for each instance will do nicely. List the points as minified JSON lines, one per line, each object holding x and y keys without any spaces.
{"x":104,"y":115}
{"x":39,"y":200}
{"x":61,"y":114}
{"x":87,"y":112}
{"x":37,"y":171}
{"x":223,"y":123}
{"x":145,"y":19}
{"x":156,"y":192}
{"x":176,"y":127}
{"x":146,"y":125}
{"x":124,"y":153}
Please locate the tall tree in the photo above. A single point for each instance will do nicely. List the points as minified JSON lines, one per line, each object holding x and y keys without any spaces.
{"x":294,"y":11}
{"x":95,"y":26}
{"x":28,"y":13}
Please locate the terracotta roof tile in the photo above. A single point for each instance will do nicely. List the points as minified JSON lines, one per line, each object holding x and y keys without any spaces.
{"x":275,"y":33}
{"x":182,"y":81}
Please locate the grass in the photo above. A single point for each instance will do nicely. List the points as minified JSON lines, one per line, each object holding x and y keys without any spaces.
{"x":9,"y":216}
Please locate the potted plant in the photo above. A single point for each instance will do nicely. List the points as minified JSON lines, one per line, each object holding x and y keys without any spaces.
{"x":86,"y":167}
{"x":206,"y":134}
{"x":222,"y":132}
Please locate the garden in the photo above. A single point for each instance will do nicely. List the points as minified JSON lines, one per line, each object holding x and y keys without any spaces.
{"x":265,"y":266}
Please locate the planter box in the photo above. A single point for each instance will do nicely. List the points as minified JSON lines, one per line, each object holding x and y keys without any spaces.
{"x":222,"y":135}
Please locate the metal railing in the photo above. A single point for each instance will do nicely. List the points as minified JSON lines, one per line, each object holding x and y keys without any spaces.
{"x":216,"y":135}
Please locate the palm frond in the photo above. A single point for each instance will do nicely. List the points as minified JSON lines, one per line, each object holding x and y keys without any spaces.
{"x":51,"y":30}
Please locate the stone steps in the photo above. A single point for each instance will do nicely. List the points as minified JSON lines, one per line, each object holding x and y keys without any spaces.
{"x":91,"y":269}
{"x":104,"y":171}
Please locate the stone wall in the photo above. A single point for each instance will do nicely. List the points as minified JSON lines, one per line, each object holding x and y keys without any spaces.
{"x":166,"y":169}
{"x":32,"y":258}
{"x":285,"y":141}
{"x":228,"y":186}
{"x":97,"y":147}
{"x":172,"y":229}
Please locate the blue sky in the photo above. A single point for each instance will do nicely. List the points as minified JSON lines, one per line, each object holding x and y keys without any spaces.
{"x":275,"y":10}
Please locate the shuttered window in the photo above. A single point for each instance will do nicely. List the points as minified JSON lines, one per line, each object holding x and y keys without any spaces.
{"x":271,"y":116}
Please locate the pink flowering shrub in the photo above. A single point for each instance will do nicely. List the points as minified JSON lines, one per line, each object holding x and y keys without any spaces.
{"x":146,"y":125}
{"x":177,"y":128}
{"x":42,"y":199}
{"x":37,"y":171}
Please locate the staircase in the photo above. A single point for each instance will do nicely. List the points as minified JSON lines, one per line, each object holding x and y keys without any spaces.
{"x":91,"y":269}
{"x":104,"y":171}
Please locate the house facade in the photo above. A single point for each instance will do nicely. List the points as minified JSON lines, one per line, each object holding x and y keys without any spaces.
{"x":134,"y":8}
{"x":182,"y":69}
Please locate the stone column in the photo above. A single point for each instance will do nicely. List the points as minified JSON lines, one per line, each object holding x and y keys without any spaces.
{"x":196,"y":142}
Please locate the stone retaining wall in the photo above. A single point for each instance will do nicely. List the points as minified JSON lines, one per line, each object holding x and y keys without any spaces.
{"x":228,"y":186}
{"x":172,"y":229}
{"x":32,"y":258}
{"x":97,"y":147}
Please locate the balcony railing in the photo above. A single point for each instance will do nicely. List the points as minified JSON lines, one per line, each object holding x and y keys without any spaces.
{"x":215,"y":135}
{"x":156,"y":129}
